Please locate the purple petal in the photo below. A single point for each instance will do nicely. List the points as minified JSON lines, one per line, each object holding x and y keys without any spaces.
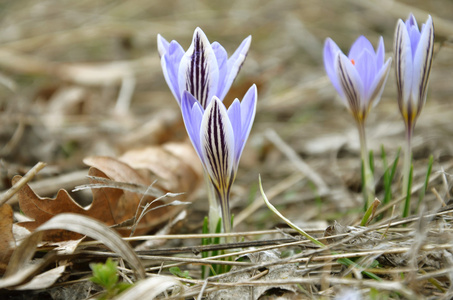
{"x":366,"y":67}
{"x":198,"y":71}
{"x":380,"y":54}
{"x":234,"y":114}
{"x":234,"y":66}
{"x":170,"y":62}
{"x":222,"y":63}
{"x":192,"y":114}
{"x":248,"y":111}
{"x":359,"y":46}
{"x":330,"y":52}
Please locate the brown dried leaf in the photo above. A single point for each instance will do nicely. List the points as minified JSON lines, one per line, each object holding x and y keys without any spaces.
{"x":172,"y":165}
{"x":7,"y":241}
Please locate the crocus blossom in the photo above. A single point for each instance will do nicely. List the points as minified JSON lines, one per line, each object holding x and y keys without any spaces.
{"x":359,"y":78}
{"x":413,"y":58}
{"x":218,"y":136}
{"x":204,"y":70}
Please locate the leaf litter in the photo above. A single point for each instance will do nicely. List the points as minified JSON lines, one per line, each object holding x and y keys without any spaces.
{"x":62,"y":110}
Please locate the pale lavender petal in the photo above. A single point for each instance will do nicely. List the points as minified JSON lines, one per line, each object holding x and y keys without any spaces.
{"x":162,"y":45}
{"x":422,"y":63}
{"x":403,"y":65}
{"x":359,"y":45}
{"x":192,"y":114}
{"x":234,"y":66}
{"x":351,"y":84}
{"x":248,"y":111}
{"x":170,"y":61}
{"x":366,"y":67}
{"x":198,"y":71}
{"x":330,"y":52}
{"x":377,"y":87}
{"x":234,"y":114}
{"x":380,"y":54}
{"x":222,"y":63}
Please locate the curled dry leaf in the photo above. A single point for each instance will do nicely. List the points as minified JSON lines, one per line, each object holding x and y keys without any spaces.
{"x":21,"y":268}
{"x":7,"y":241}
{"x":172,"y":165}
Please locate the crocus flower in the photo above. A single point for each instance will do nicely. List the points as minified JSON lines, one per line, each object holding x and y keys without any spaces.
{"x":359,"y":79}
{"x":204,"y":70}
{"x":413,"y":58}
{"x":218,"y":136}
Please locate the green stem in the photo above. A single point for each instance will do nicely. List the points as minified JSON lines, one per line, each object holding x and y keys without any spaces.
{"x":368,"y":178}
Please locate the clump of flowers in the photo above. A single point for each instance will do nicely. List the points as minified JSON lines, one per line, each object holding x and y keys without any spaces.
{"x":359,"y":79}
{"x":199,"y":80}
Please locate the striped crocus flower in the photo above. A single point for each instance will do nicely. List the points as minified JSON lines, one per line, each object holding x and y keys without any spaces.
{"x":218,"y":136}
{"x":413,"y":58}
{"x":204,"y":70}
{"x":359,"y":79}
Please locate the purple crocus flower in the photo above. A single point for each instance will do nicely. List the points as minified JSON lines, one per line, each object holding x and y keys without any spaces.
{"x":413,"y":58}
{"x":204,"y":70}
{"x":359,"y":78}
{"x":218,"y":136}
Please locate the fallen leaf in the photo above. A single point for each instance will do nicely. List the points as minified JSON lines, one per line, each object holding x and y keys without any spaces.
{"x":7,"y":241}
{"x":172,"y":165}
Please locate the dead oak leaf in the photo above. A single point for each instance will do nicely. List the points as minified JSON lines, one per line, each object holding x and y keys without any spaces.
{"x":7,"y":241}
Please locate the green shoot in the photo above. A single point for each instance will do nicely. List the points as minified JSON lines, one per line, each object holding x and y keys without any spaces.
{"x":407,"y":203}
{"x":421,"y":196}
{"x":106,"y":276}
{"x":177,"y":272}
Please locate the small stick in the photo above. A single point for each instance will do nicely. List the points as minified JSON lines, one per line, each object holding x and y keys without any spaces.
{"x":27,"y":177}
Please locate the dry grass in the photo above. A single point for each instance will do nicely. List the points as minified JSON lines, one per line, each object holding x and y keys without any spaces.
{"x":83,"y":78}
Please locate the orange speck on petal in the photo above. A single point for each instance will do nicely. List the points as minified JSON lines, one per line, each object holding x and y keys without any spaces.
{"x":353,"y":62}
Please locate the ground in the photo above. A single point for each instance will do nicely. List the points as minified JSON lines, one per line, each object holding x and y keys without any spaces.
{"x":83,"y":79}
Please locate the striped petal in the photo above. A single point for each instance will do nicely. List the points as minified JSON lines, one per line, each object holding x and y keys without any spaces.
{"x":198,"y":71}
{"x":422,"y":64}
{"x":403,"y":67}
{"x":351,"y":85}
{"x":217,"y":143}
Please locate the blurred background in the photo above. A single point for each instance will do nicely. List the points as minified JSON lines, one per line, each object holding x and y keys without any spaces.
{"x":83,"y":78}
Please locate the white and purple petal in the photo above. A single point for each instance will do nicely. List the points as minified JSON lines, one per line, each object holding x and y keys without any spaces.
{"x":198,"y":71}
{"x":351,"y":85}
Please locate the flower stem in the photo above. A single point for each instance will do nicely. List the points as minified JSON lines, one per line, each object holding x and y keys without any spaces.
{"x":407,"y":161}
{"x":214,"y":210}
{"x":368,"y":178}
